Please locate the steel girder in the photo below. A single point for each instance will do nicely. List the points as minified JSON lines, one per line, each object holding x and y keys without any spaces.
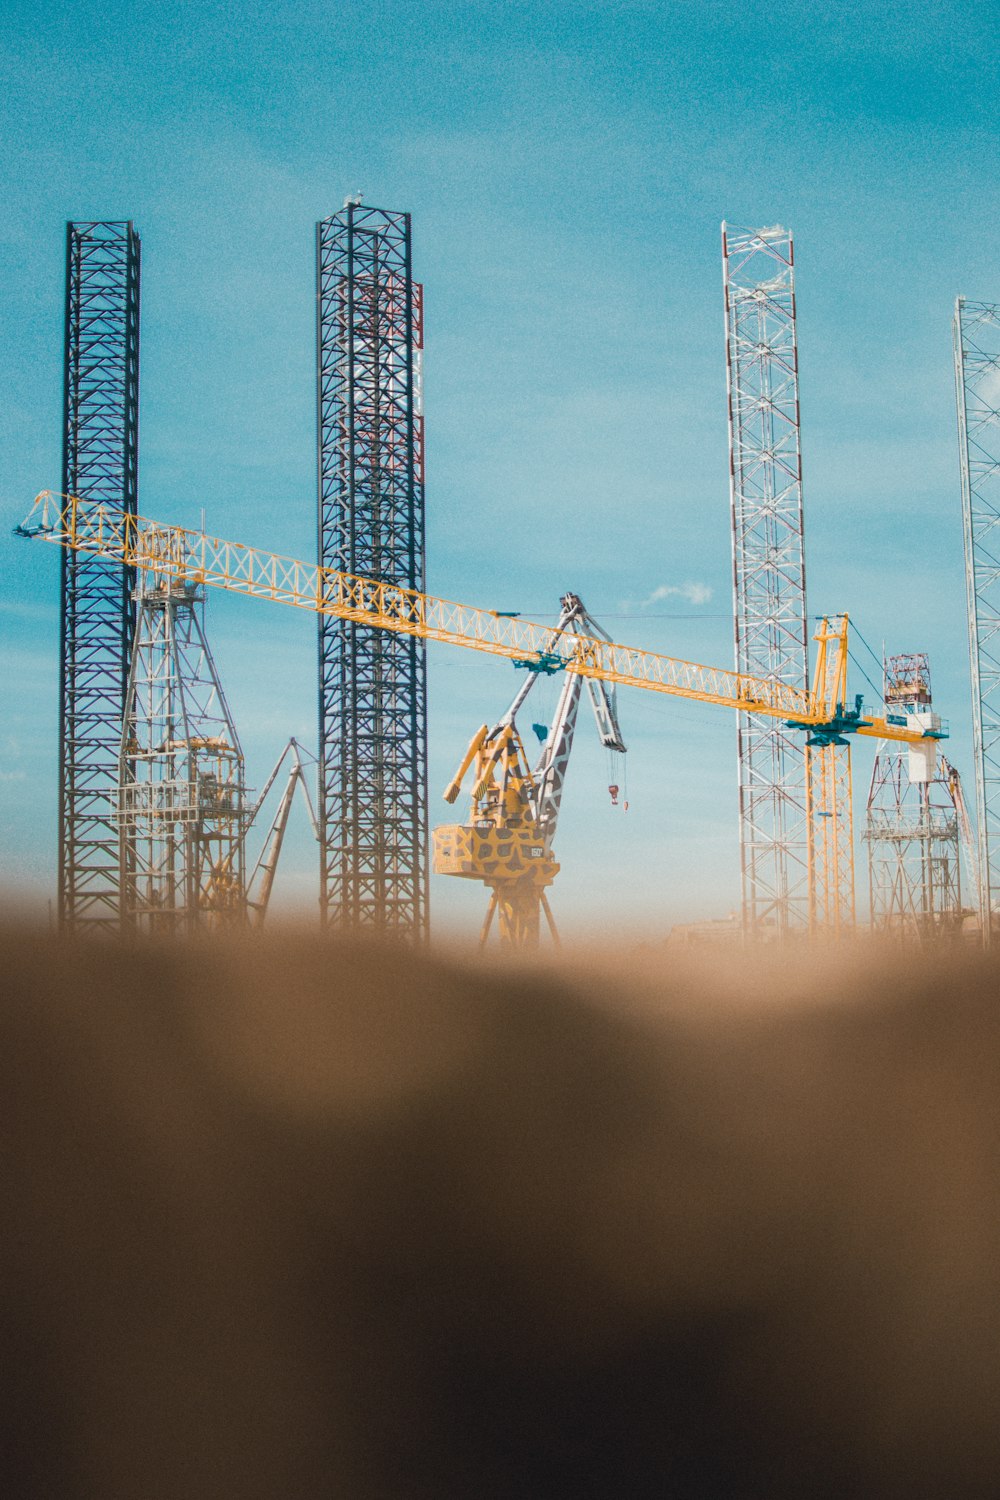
{"x":372,"y":688}
{"x":100,"y":463}
{"x":768,"y":570}
{"x":977,"y":381}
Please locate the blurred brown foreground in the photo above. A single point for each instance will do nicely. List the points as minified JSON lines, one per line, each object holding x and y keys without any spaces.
{"x":293,"y":1219}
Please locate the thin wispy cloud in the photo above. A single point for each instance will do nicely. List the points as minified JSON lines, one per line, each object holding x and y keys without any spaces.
{"x":687,"y":593}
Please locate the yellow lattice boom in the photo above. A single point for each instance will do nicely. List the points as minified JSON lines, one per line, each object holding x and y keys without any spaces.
{"x":193,"y":556}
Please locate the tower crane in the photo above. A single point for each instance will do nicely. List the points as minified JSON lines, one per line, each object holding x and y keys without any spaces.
{"x":822,"y":711}
{"x":507,"y":841}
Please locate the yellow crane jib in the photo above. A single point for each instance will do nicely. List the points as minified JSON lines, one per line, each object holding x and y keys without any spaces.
{"x":178,"y":555}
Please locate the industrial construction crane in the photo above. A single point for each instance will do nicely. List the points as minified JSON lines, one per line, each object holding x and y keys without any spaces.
{"x":507,"y":841}
{"x":822,"y":712}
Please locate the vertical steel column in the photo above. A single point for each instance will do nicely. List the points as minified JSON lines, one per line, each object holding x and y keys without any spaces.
{"x":977,"y":381}
{"x":372,"y":684}
{"x":769,"y":585}
{"x":100,"y":462}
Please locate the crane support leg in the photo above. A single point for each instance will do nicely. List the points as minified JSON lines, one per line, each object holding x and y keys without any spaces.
{"x":550,"y":919}
{"x":488,"y":920}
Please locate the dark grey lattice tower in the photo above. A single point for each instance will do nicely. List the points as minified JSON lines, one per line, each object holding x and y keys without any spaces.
{"x":372,"y":688}
{"x":100,"y":450}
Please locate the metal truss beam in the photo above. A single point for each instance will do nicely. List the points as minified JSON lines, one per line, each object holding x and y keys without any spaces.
{"x":372,"y":688}
{"x":100,"y":463}
{"x":977,"y":381}
{"x":768,"y":571}
{"x":194,"y":557}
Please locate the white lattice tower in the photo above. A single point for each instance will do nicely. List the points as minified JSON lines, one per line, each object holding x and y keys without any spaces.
{"x":911,"y":824}
{"x":181,"y":793}
{"x":977,"y":380}
{"x":768,"y":570}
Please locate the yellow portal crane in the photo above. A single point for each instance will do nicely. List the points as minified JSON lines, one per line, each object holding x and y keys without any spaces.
{"x":135,"y":541}
{"x":506,"y":841}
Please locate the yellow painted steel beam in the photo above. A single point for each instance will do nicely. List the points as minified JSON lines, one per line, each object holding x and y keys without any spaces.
{"x":193,"y":557}
{"x":831,"y":841}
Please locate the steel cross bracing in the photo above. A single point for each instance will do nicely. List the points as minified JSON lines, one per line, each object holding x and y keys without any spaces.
{"x":768,"y":570}
{"x":194,"y":557}
{"x":977,"y":379}
{"x":100,"y":447}
{"x":912,"y":825}
{"x":372,"y":691}
{"x":912,"y":833}
{"x":181,"y":788}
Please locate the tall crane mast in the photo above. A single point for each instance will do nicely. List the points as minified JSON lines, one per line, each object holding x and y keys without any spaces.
{"x":778,"y":786}
{"x":507,"y":840}
{"x":977,"y":360}
{"x":822,"y":712}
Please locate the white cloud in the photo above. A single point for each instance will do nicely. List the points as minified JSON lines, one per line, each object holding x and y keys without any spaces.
{"x":691,"y":593}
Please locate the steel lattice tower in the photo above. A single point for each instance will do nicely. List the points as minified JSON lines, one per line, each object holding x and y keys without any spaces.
{"x":373,"y":688}
{"x":100,"y":452}
{"x":182,"y":795}
{"x":769,"y":586}
{"x":912,"y":823}
{"x":977,"y":380}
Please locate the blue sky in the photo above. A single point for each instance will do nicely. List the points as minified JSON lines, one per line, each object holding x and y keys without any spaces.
{"x":567,"y":167}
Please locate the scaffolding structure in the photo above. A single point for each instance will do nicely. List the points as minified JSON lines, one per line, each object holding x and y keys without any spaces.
{"x":977,"y":381}
{"x":912,"y":822}
{"x":182,"y":806}
{"x":100,"y":463}
{"x":372,"y":688}
{"x":769,"y":587}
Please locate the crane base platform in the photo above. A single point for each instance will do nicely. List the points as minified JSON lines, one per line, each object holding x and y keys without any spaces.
{"x":485,"y":852}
